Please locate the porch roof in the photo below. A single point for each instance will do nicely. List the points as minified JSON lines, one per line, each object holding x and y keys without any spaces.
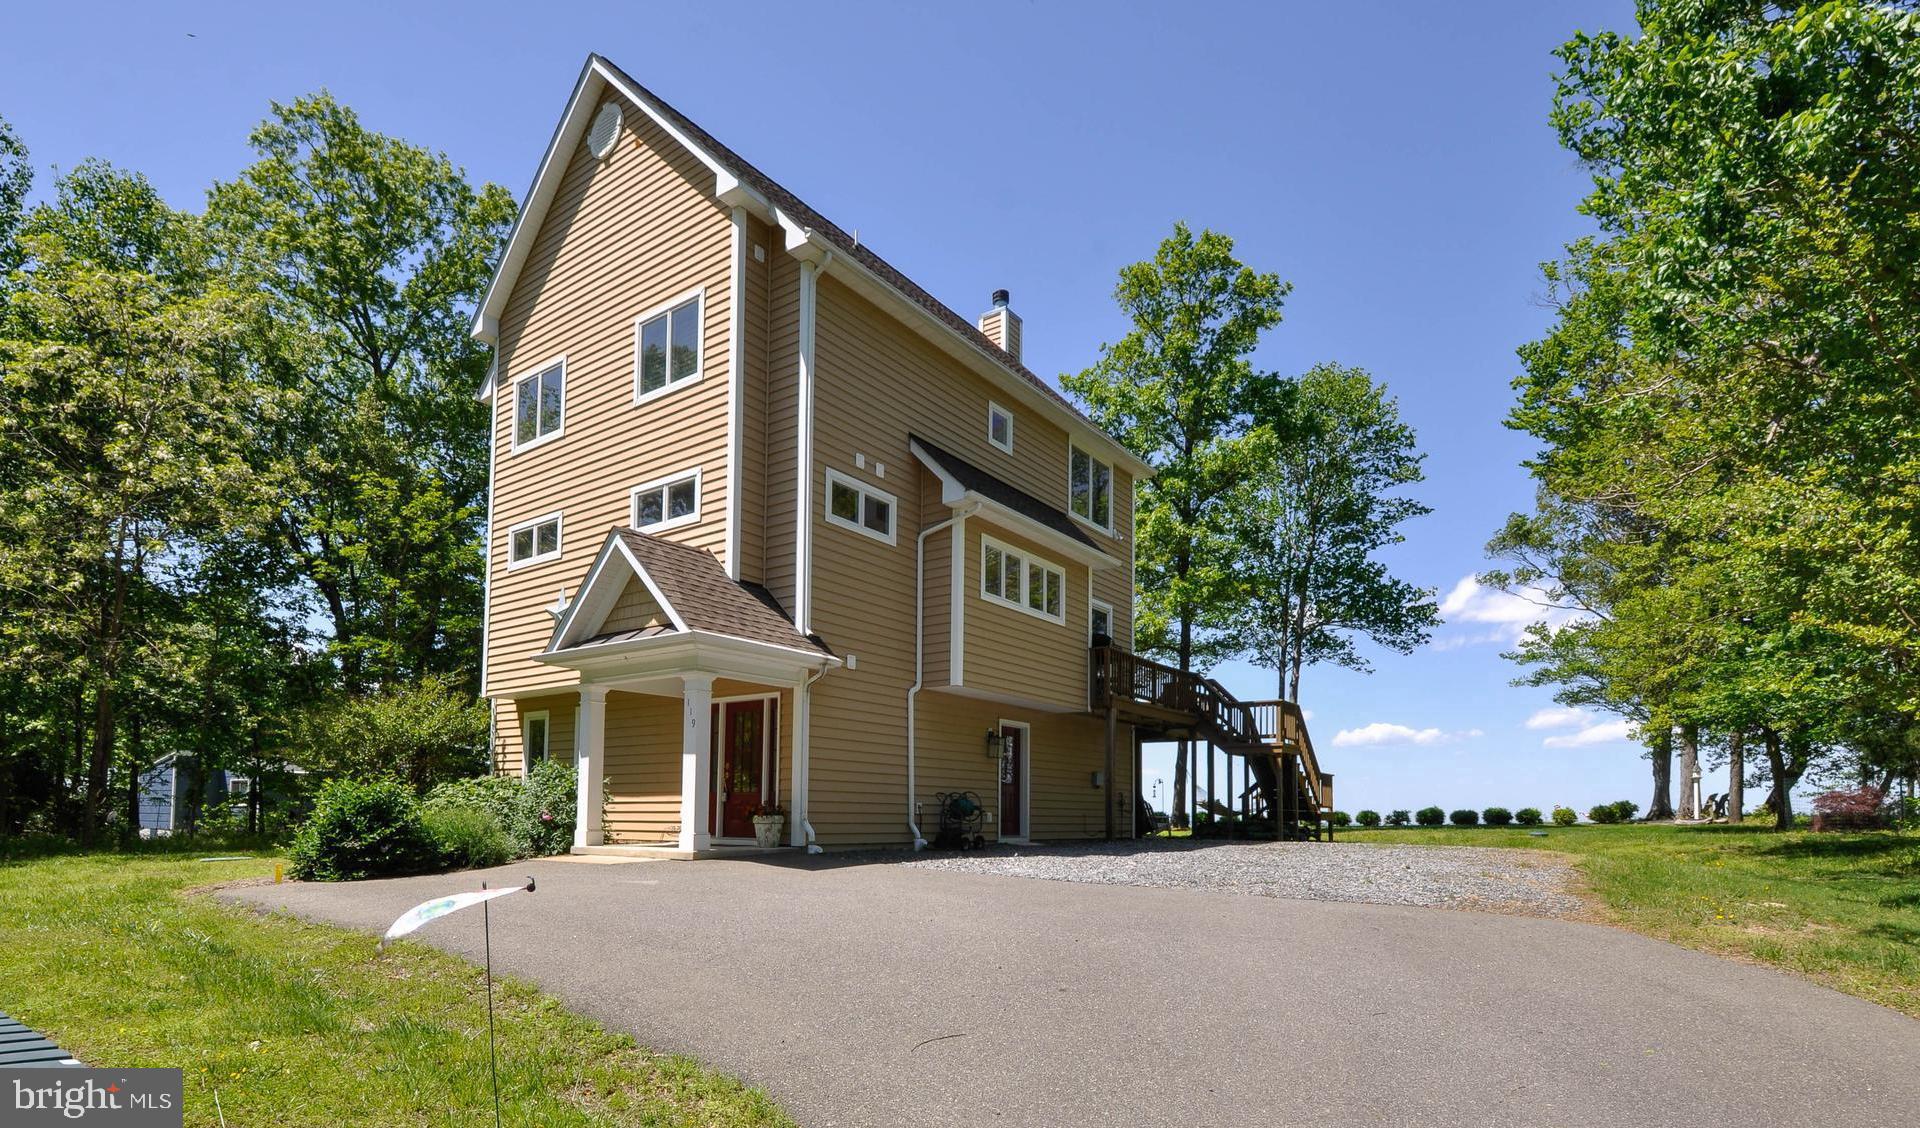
{"x":962,"y":481}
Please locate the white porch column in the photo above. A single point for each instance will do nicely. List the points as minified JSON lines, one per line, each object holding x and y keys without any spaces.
{"x":696,"y":761}
{"x":802,"y":766}
{"x":590,"y":766}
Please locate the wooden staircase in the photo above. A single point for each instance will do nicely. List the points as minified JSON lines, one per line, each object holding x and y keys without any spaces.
{"x":1290,"y":794}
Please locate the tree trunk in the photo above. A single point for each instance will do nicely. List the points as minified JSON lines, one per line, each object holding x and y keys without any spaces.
{"x":1781,"y":799}
{"x":1661,"y":750}
{"x":98,"y":760}
{"x":1177,"y":816}
{"x":1689,"y":769}
{"x":1736,"y":775}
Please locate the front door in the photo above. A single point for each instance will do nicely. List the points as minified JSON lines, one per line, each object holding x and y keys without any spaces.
{"x":1013,"y":779}
{"x":743,"y":749}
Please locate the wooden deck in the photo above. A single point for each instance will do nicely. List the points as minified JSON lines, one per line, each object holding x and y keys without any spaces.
{"x":1287,"y":790}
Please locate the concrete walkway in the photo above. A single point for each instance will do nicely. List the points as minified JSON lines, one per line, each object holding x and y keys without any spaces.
{"x":887,"y":995}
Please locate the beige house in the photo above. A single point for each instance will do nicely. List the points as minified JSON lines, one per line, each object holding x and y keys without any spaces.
{"x":769,"y":524}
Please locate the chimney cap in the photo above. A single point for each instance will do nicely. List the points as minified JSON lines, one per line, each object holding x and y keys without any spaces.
{"x":1000,"y":298}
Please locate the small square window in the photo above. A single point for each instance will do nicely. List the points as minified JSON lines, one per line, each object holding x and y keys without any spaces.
{"x":853,"y":504}
{"x":532,"y":542}
{"x":1000,"y":427}
{"x":668,"y":502}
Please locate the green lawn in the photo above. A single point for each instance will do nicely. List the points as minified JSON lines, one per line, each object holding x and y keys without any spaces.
{"x":299,"y":1024}
{"x":1843,"y":909}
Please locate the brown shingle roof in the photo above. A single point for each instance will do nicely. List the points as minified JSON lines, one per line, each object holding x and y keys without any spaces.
{"x":975,"y":480}
{"x":807,"y":217}
{"x":706,"y":598}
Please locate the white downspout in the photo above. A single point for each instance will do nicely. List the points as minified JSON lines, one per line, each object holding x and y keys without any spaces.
{"x":803,"y":533}
{"x":803,"y":760}
{"x":919,"y":651}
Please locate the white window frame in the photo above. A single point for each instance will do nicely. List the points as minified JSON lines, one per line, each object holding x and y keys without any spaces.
{"x":527,"y":758}
{"x":513,"y":406}
{"x":559,"y":540}
{"x":633,"y":501}
{"x":1094,"y":460}
{"x":893,"y":507}
{"x":697,"y":295}
{"x":1028,"y":561}
{"x":1094,"y":606}
{"x":994,"y":409}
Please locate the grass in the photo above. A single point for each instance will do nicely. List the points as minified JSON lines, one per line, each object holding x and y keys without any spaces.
{"x":292,"y":1023}
{"x":1839,"y":908}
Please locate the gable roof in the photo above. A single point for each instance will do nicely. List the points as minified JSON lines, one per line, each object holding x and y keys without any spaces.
{"x":693,"y":591}
{"x":735,"y":176}
{"x":962,"y":481}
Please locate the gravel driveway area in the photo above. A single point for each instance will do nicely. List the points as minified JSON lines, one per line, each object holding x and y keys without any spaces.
{"x":1451,"y":877}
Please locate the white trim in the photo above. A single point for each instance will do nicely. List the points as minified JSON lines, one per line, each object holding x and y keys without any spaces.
{"x":1027,"y":561}
{"x":803,"y":453}
{"x":538,"y":557}
{"x":1097,"y":605}
{"x":662,"y":483}
{"x":486,"y":574}
{"x":1112,"y":503}
{"x":653,"y":589}
{"x":1026,"y":784}
{"x":697,"y":295}
{"x":993,"y":409}
{"x":957,"y":610}
{"x":546,"y":738}
{"x":954,"y":494}
{"x":836,"y":478}
{"x":513,"y":406}
{"x":769,"y":757}
{"x":736,"y":384}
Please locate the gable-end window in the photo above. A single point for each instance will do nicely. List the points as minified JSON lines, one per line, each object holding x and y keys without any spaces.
{"x":1089,"y":488}
{"x":1000,"y":427}
{"x":1011,"y":577}
{"x":533,"y":737}
{"x":539,"y":401}
{"x":666,"y":347}
{"x":534,"y":542}
{"x":853,"y":504}
{"x":667,"y":502}
{"x":1099,"y":621}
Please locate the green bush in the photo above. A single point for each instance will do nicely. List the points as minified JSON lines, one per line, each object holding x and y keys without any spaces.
{"x":1527,"y":816}
{"x":1340,"y":818}
{"x":1465,"y":818}
{"x":543,"y":824}
{"x":360,"y":829}
{"x":1399,"y":818}
{"x":1430,"y":816}
{"x":421,"y":733}
{"x":1622,"y":811}
{"x":498,"y":795}
{"x":1496,"y":816}
{"x":1625,"y":811}
{"x":1565,"y":816}
{"x":466,"y":836}
{"x":1368,"y":818}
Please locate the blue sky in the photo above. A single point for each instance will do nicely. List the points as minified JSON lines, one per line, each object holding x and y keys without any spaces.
{"x":1393,"y":161}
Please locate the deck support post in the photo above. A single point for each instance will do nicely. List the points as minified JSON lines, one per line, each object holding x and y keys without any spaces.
{"x":1113,"y":726}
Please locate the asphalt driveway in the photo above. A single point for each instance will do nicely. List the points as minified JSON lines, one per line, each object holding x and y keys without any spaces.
{"x":886,"y":995}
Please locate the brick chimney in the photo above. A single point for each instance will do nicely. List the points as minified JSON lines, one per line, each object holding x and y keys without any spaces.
{"x":1002,"y":325}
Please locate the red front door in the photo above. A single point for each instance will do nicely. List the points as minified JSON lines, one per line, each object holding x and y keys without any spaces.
{"x":742,"y":750}
{"x":1013,"y":774}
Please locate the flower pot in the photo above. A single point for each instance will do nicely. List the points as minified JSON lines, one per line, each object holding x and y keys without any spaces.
{"x":767,"y":828}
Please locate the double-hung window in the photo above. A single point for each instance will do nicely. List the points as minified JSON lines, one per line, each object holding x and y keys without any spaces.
{"x":666,"y":347}
{"x":1090,"y":488}
{"x":535,"y":541}
{"x":539,"y":401}
{"x":667,"y":502}
{"x":853,"y":504}
{"x":1012,"y":577}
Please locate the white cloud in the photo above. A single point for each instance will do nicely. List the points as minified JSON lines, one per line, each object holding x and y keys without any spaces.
{"x":1382,"y":732}
{"x":1605,"y":732}
{"x":1559,"y":718}
{"x":1504,"y":616}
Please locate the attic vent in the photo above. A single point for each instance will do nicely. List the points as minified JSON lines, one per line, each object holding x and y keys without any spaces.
{"x":606,"y":127}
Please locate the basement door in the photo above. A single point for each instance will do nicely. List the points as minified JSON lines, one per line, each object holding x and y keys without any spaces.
{"x":1014,"y":738}
{"x":745,"y":763}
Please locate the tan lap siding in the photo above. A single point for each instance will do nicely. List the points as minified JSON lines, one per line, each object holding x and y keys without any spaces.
{"x":755,"y":326}
{"x":643,"y":768}
{"x":781,"y":450}
{"x":509,"y":754}
{"x":622,"y":237}
{"x":1017,"y":653}
{"x":1066,"y":750}
{"x":1114,"y":586}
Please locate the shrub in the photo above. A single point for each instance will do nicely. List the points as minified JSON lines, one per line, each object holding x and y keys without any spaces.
{"x":1527,"y":816}
{"x":1368,"y":818}
{"x":1430,"y":816}
{"x":1565,"y":816}
{"x":1465,"y":818}
{"x":362,"y":829}
{"x":498,"y":795}
{"x":544,"y":822}
{"x":1399,"y":818}
{"x":1604,"y":813}
{"x":466,"y":836}
{"x":1625,"y":810}
{"x":1858,"y":809}
{"x":1496,"y":816}
{"x":1340,"y":818}
{"x":421,"y":733}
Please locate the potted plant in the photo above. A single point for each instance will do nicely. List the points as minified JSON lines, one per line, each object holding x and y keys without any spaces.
{"x":769,"y":820}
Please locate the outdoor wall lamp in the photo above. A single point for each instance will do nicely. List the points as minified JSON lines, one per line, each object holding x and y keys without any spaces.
{"x":995,"y":744}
